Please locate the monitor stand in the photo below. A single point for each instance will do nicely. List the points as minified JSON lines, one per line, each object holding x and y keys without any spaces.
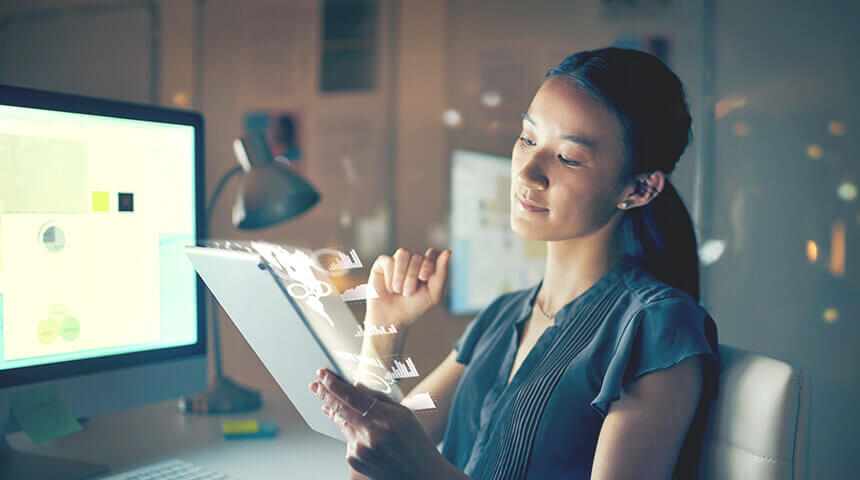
{"x":16,"y":465}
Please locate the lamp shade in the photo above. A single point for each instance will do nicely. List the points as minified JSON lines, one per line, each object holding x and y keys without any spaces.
{"x":269,"y":192}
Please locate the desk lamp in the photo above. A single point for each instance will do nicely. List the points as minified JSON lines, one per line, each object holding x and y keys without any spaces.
{"x":270,"y":193}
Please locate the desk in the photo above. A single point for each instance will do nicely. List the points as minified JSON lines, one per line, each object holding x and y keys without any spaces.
{"x":133,"y":438}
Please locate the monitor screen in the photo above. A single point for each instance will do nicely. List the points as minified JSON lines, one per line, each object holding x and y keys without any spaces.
{"x":94,"y":213}
{"x":481,"y":235}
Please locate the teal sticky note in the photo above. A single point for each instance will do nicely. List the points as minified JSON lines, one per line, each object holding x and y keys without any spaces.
{"x":42,"y":415}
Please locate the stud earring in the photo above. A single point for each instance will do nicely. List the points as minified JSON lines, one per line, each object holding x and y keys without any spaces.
{"x":624,"y":205}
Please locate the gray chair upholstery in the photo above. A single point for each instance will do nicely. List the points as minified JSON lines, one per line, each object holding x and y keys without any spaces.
{"x":757,"y":428}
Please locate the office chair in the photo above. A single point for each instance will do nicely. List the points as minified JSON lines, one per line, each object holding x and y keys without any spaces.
{"x":757,"y":427}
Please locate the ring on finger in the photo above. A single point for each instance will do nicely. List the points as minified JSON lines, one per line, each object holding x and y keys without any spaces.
{"x":364,"y":413}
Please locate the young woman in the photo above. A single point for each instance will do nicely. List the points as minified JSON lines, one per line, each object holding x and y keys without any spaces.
{"x":604,"y":369}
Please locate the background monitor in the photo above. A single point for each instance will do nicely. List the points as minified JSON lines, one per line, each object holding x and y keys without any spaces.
{"x":97,"y":299}
{"x":481,"y":235}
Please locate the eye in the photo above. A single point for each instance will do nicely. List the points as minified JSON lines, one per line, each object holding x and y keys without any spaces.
{"x":526,"y":141}
{"x":571,"y":163}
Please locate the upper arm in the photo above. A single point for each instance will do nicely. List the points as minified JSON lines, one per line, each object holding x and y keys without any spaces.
{"x":440,"y":384}
{"x":644,"y":430}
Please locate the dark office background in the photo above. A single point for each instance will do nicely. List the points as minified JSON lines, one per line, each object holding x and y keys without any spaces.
{"x":772,"y":172}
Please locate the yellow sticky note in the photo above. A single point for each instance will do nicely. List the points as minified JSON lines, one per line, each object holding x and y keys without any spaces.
{"x":240,"y":426}
{"x":42,"y":415}
{"x":101,"y":201}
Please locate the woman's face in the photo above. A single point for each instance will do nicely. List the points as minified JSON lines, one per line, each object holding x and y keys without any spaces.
{"x":566,"y":165}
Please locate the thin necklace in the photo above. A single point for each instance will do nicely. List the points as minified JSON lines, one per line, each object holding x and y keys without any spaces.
{"x":548,"y":317}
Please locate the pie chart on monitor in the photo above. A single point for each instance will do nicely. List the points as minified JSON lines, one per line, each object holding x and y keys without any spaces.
{"x":52,"y":237}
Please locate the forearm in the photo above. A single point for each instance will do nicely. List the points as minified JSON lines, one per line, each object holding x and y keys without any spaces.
{"x":378,"y":353}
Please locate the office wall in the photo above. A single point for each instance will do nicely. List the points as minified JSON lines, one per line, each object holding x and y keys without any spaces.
{"x":782,"y":74}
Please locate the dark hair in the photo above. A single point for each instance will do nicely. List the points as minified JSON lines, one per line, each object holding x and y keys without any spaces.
{"x":648,"y":99}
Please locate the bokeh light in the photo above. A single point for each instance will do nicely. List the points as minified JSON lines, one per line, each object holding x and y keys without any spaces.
{"x":741,"y":129}
{"x":711,"y":251}
{"x":452,"y":118}
{"x":728,"y":103}
{"x":847,"y":191}
{"x":814,"y":151}
{"x":837,"y":128}
{"x":180,"y":99}
{"x":491,"y":99}
{"x":811,"y":251}
{"x":837,"y":248}
{"x":830,"y":315}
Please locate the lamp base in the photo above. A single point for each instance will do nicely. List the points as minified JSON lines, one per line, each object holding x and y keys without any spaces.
{"x":223,"y":396}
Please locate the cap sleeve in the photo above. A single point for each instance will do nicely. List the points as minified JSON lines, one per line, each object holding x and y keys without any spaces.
{"x":465,"y":345}
{"x":659,"y":335}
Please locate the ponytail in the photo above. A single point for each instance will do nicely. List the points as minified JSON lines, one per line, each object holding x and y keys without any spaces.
{"x":661,"y":237}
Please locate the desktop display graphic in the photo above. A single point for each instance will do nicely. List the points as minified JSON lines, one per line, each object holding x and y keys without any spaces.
{"x":83,"y":272}
{"x":98,"y":199}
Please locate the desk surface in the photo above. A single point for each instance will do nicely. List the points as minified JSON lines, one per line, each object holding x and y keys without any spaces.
{"x":133,"y":438}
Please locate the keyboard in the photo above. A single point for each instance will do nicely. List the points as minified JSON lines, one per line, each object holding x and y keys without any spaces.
{"x":170,"y":470}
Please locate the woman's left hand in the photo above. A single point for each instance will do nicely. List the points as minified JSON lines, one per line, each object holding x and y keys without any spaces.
{"x":385,"y":440}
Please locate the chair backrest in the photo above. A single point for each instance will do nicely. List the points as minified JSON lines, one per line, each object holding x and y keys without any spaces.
{"x":757,"y":427}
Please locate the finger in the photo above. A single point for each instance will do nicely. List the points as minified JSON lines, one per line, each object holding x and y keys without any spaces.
{"x":411,"y":282}
{"x":437,"y":280}
{"x":344,"y":391}
{"x":345,"y":417}
{"x":371,"y":392}
{"x":401,"y":263}
{"x":349,"y":432}
{"x":429,"y":264}
{"x":380,"y":273}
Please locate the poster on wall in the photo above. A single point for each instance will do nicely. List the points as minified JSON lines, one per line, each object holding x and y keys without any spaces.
{"x":349,"y":45}
{"x":282,"y":133}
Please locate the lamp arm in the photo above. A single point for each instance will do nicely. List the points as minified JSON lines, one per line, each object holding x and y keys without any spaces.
{"x":214,"y":198}
{"x":213,"y":315}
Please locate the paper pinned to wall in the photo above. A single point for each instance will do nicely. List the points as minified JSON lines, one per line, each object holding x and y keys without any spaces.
{"x":42,"y":415}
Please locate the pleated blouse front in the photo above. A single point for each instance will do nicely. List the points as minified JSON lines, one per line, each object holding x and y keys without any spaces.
{"x":545,"y":423}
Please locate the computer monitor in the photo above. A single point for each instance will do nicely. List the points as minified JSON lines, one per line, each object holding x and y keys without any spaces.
{"x":97,"y":299}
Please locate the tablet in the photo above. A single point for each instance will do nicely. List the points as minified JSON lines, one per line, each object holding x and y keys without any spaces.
{"x":293,"y":318}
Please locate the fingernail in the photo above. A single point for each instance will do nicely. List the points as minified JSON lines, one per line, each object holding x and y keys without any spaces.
{"x":321,"y":374}
{"x":326,"y":409}
{"x":315,"y":387}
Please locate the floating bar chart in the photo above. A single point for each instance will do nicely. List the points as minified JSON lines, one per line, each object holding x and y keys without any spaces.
{"x":403,"y":370}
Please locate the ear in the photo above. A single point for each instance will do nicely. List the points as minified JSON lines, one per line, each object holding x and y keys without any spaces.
{"x":645,"y":187}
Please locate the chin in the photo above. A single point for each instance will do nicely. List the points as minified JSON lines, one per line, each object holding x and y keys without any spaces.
{"x":530,"y":230}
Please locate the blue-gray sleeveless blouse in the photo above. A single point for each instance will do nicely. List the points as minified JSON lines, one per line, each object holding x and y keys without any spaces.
{"x":545,"y":423}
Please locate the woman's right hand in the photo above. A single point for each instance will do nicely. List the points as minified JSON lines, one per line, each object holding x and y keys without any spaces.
{"x":407,"y":284}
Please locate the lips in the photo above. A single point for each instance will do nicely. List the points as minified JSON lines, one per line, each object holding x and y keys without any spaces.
{"x":528,"y":205}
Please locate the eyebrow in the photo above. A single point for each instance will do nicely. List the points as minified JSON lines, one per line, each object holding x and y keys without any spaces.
{"x":584,"y":141}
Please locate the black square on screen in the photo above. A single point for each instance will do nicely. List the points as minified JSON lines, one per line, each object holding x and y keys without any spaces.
{"x":126,"y":202}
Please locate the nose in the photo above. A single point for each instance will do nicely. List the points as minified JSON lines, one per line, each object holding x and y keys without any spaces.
{"x":532,"y":176}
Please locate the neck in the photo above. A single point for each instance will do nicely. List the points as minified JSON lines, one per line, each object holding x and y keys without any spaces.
{"x":573,"y":265}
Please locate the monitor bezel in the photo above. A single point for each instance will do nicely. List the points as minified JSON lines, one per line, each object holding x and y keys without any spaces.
{"x":63,"y":102}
